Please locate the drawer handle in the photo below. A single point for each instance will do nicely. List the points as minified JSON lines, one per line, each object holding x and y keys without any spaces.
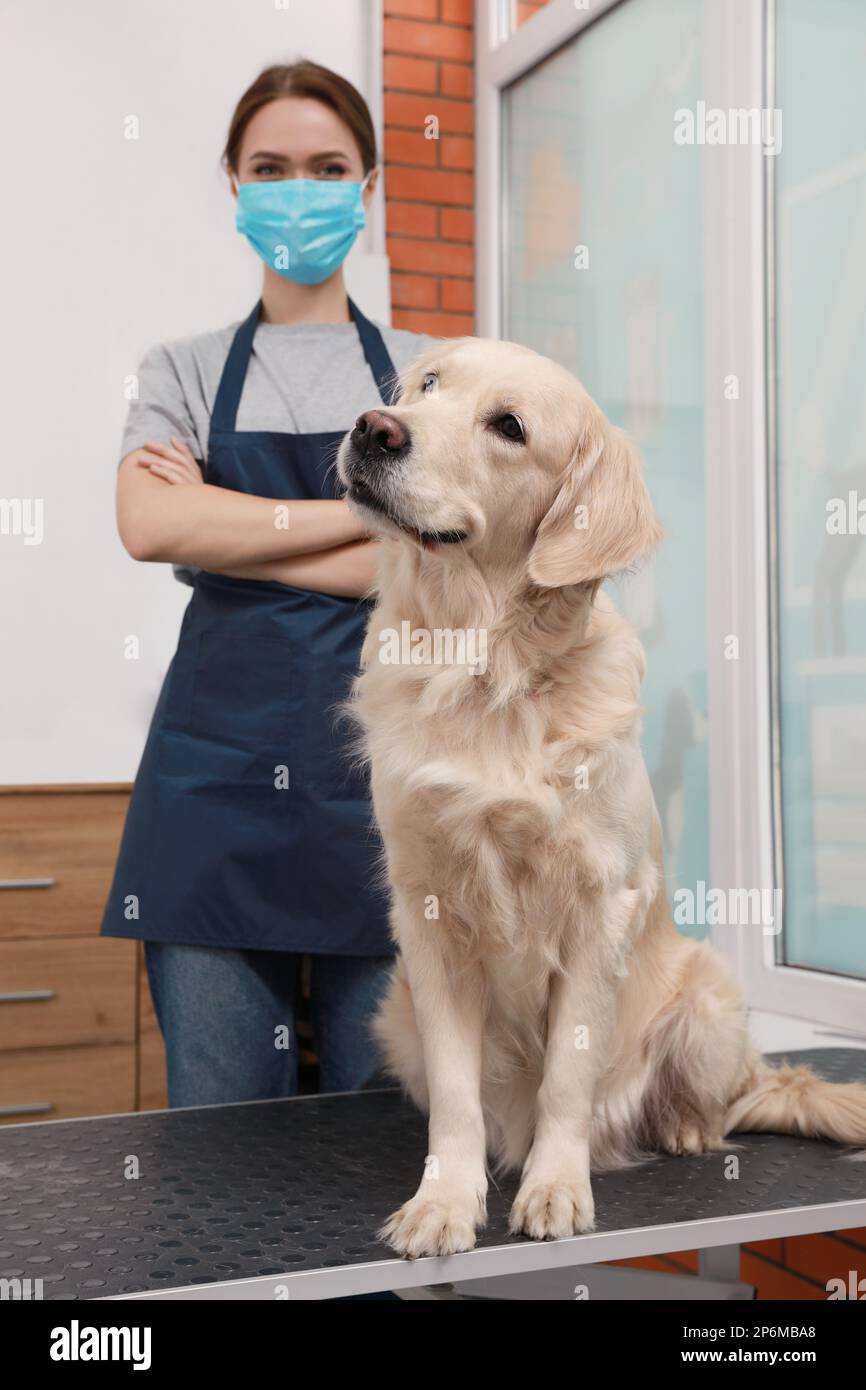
{"x":36,"y":1107}
{"x":26,"y":996}
{"x":28,"y":883}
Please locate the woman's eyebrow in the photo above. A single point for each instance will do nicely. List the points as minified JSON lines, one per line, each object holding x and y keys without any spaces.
{"x":284,"y":159}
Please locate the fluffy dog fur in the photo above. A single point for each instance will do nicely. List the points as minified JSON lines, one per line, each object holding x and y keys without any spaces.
{"x":543,"y":1008}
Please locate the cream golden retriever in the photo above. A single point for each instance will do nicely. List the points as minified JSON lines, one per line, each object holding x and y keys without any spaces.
{"x":544,"y":1009}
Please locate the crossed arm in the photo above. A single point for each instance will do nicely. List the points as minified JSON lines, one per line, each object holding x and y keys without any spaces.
{"x":166,"y":511}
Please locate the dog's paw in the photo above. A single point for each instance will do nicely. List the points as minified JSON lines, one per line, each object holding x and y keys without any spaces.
{"x":686,"y":1138}
{"x":435,"y":1225}
{"x":549,"y":1210}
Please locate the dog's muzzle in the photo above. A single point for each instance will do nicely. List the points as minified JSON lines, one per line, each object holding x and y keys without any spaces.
{"x":376,"y":444}
{"x":376,"y":441}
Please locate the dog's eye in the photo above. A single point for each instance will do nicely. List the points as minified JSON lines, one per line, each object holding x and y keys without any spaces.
{"x":510,"y":427}
{"x":430,"y":384}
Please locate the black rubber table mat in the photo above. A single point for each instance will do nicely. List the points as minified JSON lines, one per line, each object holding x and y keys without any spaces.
{"x":278,"y":1187}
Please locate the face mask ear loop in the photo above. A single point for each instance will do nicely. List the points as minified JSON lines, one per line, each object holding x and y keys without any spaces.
{"x":367,"y":177}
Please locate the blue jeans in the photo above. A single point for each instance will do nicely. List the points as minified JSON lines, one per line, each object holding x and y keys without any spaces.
{"x":227,"y":1018}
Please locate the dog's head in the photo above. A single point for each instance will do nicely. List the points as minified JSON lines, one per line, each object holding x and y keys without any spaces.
{"x":495,"y":452}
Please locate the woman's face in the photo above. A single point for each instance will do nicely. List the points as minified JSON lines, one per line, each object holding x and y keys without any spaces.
{"x":300,"y":138}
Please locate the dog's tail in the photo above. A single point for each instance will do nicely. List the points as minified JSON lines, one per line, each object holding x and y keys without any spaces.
{"x":796,"y":1100}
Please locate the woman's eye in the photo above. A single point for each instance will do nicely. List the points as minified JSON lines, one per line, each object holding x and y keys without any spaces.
{"x":332,"y":171}
{"x":510,"y":428}
{"x":430,"y":384}
{"x":266,"y":171}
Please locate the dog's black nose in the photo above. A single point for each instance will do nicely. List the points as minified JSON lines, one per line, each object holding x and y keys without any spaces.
{"x":378,"y":433}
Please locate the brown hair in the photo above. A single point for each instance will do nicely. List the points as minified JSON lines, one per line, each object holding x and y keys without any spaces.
{"x":303,"y":79}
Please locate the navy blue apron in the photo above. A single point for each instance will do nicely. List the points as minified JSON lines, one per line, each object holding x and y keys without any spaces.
{"x":248,"y":826}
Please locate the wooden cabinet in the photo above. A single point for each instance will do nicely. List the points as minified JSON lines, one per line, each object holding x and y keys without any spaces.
{"x":67,"y":992}
{"x":57,"y":1083}
{"x":57,"y":853}
{"x":77,"y":1031}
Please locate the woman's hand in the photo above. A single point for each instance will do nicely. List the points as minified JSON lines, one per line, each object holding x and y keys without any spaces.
{"x":173,"y":462}
{"x":215,"y":528}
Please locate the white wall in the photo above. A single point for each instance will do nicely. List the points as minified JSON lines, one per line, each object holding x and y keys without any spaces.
{"x":109,"y":245}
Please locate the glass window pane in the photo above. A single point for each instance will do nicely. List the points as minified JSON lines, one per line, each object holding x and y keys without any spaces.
{"x":820,"y":255}
{"x":591,"y":163}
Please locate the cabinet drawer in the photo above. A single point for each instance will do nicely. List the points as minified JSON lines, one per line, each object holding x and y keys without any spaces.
{"x":64,"y":993}
{"x":66,"y":841}
{"x":57,"y":1085}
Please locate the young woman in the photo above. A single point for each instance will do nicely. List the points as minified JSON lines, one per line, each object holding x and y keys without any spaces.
{"x":249,"y":840}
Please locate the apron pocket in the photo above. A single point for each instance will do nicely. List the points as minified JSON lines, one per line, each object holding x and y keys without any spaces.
{"x":243,"y":692}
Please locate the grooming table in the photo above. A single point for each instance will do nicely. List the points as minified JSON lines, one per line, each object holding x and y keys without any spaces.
{"x":283,"y":1199}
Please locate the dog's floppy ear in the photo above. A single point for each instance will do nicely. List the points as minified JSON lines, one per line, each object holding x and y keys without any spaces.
{"x":602,"y":518}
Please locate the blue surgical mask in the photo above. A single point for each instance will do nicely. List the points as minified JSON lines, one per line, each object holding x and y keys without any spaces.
{"x":302,"y":228}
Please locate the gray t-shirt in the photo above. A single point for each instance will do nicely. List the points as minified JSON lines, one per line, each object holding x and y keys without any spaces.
{"x":302,"y":378}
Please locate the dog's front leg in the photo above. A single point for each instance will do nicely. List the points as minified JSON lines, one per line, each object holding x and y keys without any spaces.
{"x":450,"y":1204}
{"x":555,"y":1195}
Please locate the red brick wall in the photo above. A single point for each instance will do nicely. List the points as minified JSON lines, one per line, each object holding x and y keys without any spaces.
{"x":428,"y":71}
{"x":526,"y":9}
{"x":795,"y":1269}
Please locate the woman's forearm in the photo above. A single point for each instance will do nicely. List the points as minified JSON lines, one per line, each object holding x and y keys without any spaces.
{"x":214,"y":528}
{"x":347,"y":571}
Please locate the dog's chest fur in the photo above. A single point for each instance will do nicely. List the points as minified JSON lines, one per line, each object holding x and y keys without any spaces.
{"x":505,"y":812}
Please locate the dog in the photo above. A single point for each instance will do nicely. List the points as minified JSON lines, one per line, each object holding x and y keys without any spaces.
{"x":543,"y":1007}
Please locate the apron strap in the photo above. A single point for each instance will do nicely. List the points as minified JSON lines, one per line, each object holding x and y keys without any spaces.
{"x":225,"y":407}
{"x":377,"y":355}
{"x":231,"y":385}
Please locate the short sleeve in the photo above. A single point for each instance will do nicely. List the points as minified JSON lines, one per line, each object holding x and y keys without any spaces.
{"x":161,"y":408}
{"x":160,"y":411}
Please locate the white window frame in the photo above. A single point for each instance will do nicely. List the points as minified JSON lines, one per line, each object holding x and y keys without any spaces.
{"x":743,"y":751}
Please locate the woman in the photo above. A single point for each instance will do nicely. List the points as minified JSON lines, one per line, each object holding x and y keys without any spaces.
{"x":249,"y":840}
